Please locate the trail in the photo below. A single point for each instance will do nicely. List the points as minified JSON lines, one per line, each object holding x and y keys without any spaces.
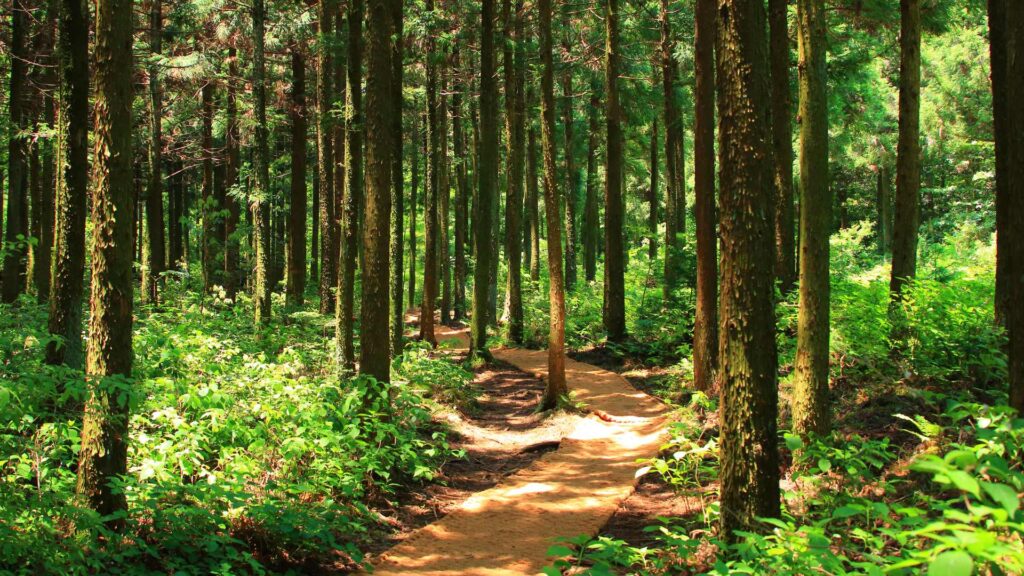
{"x":574,"y":490}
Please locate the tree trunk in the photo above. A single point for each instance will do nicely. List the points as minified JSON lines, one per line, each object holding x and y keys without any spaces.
{"x":513,"y":62}
{"x":375,"y":344}
{"x":210,"y":209}
{"x":45,"y":208}
{"x":12,"y":277}
{"x":65,"y":319}
{"x":1013,"y":236}
{"x":908,"y":151}
{"x":326,"y":216}
{"x":297,"y":202}
{"x":532,"y":198}
{"x":232,"y":274}
{"x":705,"y":329}
{"x":430,"y":217}
{"x":259,"y":199}
{"x":747,"y":376}
{"x":811,"y":402}
{"x":353,"y":192}
{"x":782,"y":143}
{"x":883,"y":201}
{"x":314,"y":235}
{"x":571,"y":176}
{"x":997,"y":51}
{"x":416,"y":141}
{"x":675,"y":179}
{"x":652,"y":196}
{"x":397,"y":240}
{"x":104,"y":451}
{"x":487,"y":174}
{"x":614,"y":285}
{"x":556,"y":388}
{"x":461,"y":194}
{"x":591,"y":232}
{"x":443,"y":202}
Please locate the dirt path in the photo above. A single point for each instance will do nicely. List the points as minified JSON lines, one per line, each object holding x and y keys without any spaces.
{"x":574,"y":490}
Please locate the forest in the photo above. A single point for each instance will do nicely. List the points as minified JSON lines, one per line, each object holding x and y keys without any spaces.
{"x":495,"y":287}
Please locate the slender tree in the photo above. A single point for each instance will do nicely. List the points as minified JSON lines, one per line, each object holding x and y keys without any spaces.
{"x":487,"y":174}
{"x":591,"y":234}
{"x":231,"y":243}
{"x":811,"y":406}
{"x":12,"y":277}
{"x":556,"y":387}
{"x":675,"y":171}
{"x":259,"y":200}
{"x":430,"y":215}
{"x":782,"y":142}
{"x":908,"y":151}
{"x":705,"y":330}
{"x":397,"y":241}
{"x":997,"y":53}
{"x":104,"y":451}
{"x":65,"y":320}
{"x":326,"y":216}
{"x":1012,"y":244}
{"x":444,"y":199}
{"x":747,"y":376}
{"x":461,"y":204}
{"x":209,"y":209}
{"x":514,"y":142}
{"x":614,"y":249}
{"x":375,"y":348}
{"x":416,"y":141}
{"x":571,"y":175}
{"x":652,"y":196}
{"x":532,"y":195}
{"x":296,"y":285}
{"x":353,"y":192}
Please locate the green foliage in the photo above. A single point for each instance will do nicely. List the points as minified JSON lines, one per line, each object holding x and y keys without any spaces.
{"x":443,"y":381}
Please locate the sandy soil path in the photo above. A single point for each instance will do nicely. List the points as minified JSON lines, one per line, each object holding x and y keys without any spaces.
{"x":574,"y":490}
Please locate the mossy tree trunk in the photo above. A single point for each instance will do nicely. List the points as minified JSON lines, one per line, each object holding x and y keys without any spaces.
{"x":811,"y":403}
{"x":782,"y":143}
{"x":749,"y":469}
{"x":345,"y":330}
{"x":514,"y":71}
{"x":259,"y":200}
{"x":326,"y":215}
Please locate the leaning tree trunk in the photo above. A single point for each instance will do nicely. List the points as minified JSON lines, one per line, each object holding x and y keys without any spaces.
{"x":487,"y":175}
{"x":261,"y":190}
{"x":782,"y":143}
{"x":104,"y":453}
{"x":65,"y":319}
{"x":556,"y":387}
{"x":908,"y":151}
{"x":747,"y":375}
{"x":375,"y":343}
{"x":12,"y":277}
{"x":614,"y":285}
{"x":811,"y":403}
{"x":345,"y":330}
{"x":297,"y":201}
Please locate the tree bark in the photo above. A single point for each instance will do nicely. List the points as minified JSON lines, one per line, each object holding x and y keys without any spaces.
{"x":675,"y":170}
{"x":461,"y":195}
{"x":556,"y":388}
{"x":416,"y":142}
{"x":210,"y":209}
{"x":782,"y":143}
{"x":444,"y":201}
{"x":65,"y":320}
{"x":908,"y":151}
{"x":571,"y":176}
{"x":232,"y":273}
{"x":12,"y":277}
{"x":591,"y":232}
{"x":326,"y":216}
{"x":614,"y":286}
{"x":749,"y":468}
{"x":259,"y":199}
{"x":353,"y":192}
{"x":104,"y":451}
{"x":652,"y":196}
{"x":430,"y":216}
{"x":513,"y":61}
{"x":997,"y":25}
{"x":297,"y":202}
{"x":487,"y":174}
{"x":375,"y":343}
{"x":532,"y":197}
{"x":1013,"y":235}
{"x":811,"y":401}
{"x":397,"y":222}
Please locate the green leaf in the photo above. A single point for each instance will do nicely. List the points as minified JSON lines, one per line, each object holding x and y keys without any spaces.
{"x":964,"y":481}
{"x":1003,"y":495}
{"x":559,"y":550}
{"x":794,"y":442}
{"x":824,"y":464}
{"x":951,"y":563}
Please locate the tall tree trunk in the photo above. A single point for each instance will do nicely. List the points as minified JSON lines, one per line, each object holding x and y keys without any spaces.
{"x":1013,"y":236}
{"x":883,"y":201}
{"x":43,"y":251}
{"x":487,"y":174}
{"x":375,"y":344}
{"x":353,"y":191}
{"x":675,"y":180}
{"x":12,"y":277}
{"x":908,"y":151}
{"x":811,"y":402}
{"x":416,"y":141}
{"x":397,"y":241}
{"x":297,"y":202}
{"x":259,"y":199}
{"x":65,"y":320}
{"x":443,"y":202}
{"x":232,"y":273}
{"x":997,"y":52}
{"x":533,"y":196}
{"x":705,"y":329}
{"x":314,"y":228}
{"x":461,"y":195}
{"x":782,"y":143}
{"x":210,"y":209}
{"x":104,"y":452}
{"x":571,"y":176}
{"x":747,"y":376}
{"x":614,"y":285}
{"x":515,"y":140}
{"x":326,"y":216}
{"x":556,"y":388}
{"x":652,"y":196}
{"x":591,"y":232}
{"x":430,"y":199}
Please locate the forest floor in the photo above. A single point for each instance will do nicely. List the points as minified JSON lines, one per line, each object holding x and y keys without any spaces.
{"x":574,"y":490}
